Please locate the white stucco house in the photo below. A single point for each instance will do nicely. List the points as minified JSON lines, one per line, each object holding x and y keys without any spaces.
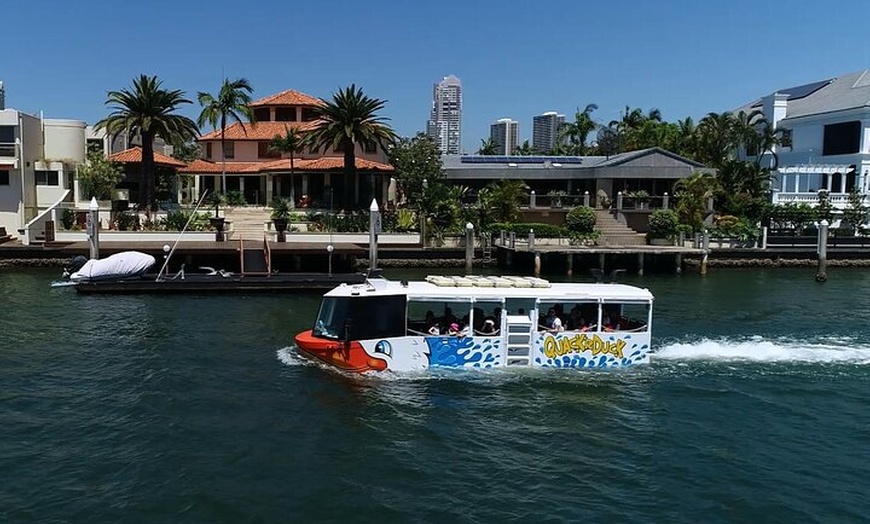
{"x":38,"y":159}
{"x":826,"y":126}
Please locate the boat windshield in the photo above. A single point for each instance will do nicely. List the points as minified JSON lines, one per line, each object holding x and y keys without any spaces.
{"x":361,"y":318}
{"x":330,"y":320}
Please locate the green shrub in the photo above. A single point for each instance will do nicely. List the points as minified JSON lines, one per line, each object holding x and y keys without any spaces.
{"x":236,"y":198}
{"x":581,"y":219}
{"x":663,"y":223}
{"x":68,"y":218}
{"x":125,"y":221}
{"x":522,"y":229}
{"x":175,"y":221}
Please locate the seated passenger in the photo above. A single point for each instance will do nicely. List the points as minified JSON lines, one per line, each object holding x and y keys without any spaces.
{"x":455,"y":330}
{"x":488,"y":327}
{"x":433,"y":329}
{"x":553,"y":323}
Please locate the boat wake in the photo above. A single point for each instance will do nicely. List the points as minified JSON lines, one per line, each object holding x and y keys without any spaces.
{"x":760,"y":349}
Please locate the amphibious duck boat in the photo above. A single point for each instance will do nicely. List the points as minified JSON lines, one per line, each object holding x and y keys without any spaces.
{"x":480,"y":322}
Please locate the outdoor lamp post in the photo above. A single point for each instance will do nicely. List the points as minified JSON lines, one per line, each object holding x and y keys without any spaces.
{"x":469,"y":246}
{"x":93,"y":228}
{"x":329,"y":249}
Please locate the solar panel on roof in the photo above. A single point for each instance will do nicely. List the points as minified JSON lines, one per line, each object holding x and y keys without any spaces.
{"x":805,"y":90}
{"x":501,"y":159}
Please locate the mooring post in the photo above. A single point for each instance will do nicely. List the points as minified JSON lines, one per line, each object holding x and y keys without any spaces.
{"x":601,"y":261}
{"x":586,"y":198}
{"x":537,"y":264}
{"x":764,"y":237}
{"x":469,"y":247}
{"x":531,"y":239}
{"x":821,"y":272}
{"x":640,"y":263}
{"x":374,"y":228}
{"x":706,"y":247}
{"x":570,"y":264}
{"x":513,"y":240}
{"x":666,"y":201}
{"x":93,"y":228}
{"x":679,"y":263}
{"x":532,"y":199}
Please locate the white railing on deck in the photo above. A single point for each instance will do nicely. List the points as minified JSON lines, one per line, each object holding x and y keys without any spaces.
{"x":838,"y":200}
{"x":37,"y":225}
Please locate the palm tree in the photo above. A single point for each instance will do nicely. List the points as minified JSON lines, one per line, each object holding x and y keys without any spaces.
{"x":488,"y":147}
{"x":578,"y":131}
{"x":292,"y":142}
{"x":351,"y":118}
{"x":231,"y":103}
{"x":525,"y":149}
{"x":147,"y":110}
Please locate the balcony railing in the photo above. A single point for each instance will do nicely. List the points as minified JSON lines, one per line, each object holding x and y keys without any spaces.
{"x":7,"y":149}
{"x":838,"y":200}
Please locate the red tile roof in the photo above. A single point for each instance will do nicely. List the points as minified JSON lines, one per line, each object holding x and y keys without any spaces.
{"x":134,"y":156}
{"x":287,"y":98}
{"x":202,"y":166}
{"x":258,"y":131}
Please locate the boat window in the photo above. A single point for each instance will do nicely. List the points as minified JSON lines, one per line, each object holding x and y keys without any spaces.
{"x":552,"y":316}
{"x":486,"y":317}
{"x":519,"y":306}
{"x":627,"y":316}
{"x":361,"y":318}
{"x":428,"y":318}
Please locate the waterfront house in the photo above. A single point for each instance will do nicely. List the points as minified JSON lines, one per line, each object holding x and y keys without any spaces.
{"x":652,"y":170}
{"x":261,"y":174}
{"x":38,"y":160}
{"x":825,"y":126}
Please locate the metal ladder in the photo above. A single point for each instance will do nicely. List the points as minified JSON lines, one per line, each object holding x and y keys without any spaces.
{"x":519,"y":338}
{"x":486,"y":245}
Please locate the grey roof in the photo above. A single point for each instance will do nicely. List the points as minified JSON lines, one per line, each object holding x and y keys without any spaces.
{"x":851,"y":91}
{"x":645,"y":163}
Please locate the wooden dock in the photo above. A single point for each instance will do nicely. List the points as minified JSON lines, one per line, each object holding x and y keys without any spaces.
{"x":594,"y":256}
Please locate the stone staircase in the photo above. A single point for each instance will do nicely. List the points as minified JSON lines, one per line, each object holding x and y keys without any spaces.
{"x":247,"y":222}
{"x":615,"y":233}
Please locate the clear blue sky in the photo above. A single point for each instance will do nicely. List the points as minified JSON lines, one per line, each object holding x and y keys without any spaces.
{"x":514,"y":59}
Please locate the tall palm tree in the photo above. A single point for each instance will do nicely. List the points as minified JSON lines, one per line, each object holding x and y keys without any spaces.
{"x":147,"y":110}
{"x":488,"y":147}
{"x":292,"y":142}
{"x":231,"y":103}
{"x":578,"y":131}
{"x":351,"y":118}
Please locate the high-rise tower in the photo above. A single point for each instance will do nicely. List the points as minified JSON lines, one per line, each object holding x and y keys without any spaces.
{"x":505,"y":133}
{"x":445,"y":121}
{"x":546,"y":129}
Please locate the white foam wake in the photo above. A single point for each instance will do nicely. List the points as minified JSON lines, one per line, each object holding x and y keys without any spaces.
{"x":759,"y":349}
{"x":290,"y":357}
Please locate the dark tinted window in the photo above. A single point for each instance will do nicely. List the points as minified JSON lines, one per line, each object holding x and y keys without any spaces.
{"x":4,"y":177}
{"x":7,"y":134}
{"x":842,"y":139}
{"x":363,"y":317}
{"x":285,"y":114}
{"x":46,"y":178}
{"x":261,"y":114}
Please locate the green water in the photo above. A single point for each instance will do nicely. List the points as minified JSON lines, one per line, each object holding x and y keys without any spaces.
{"x":196,"y":409}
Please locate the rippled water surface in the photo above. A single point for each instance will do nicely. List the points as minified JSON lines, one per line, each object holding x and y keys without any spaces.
{"x":198,"y":409}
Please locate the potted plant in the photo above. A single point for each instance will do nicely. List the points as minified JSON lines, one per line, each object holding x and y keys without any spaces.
{"x":641,"y":198}
{"x":556,"y":198}
{"x":217,"y":221}
{"x":280,"y":216}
